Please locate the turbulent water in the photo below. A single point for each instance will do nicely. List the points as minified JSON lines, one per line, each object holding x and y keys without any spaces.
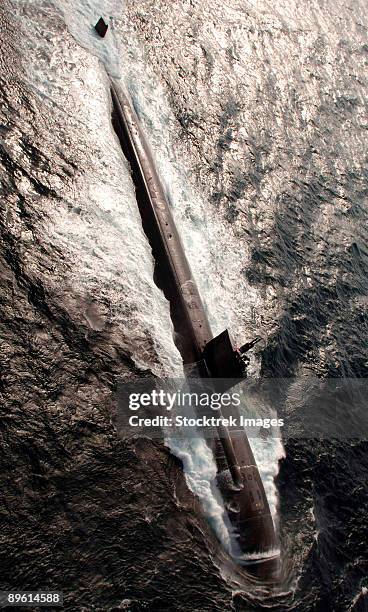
{"x":257,"y":116}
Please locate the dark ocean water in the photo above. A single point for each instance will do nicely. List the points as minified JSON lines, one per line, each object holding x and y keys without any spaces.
{"x":268,"y":117}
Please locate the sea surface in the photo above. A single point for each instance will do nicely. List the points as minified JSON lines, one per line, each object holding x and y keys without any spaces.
{"x":256,"y":113}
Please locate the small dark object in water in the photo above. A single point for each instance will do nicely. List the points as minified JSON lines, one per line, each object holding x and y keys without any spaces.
{"x":101,"y":27}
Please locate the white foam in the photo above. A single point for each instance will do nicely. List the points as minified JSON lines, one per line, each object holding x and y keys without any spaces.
{"x":200,"y":472}
{"x":199,"y":466}
{"x":97,"y":223}
{"x":104,"y":243}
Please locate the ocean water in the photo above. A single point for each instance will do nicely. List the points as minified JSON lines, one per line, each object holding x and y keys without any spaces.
{"x":257,"y":116}
{"x":213,"y":253}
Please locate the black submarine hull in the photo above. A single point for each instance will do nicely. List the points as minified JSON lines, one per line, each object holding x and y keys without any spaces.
{"x":204,"y":356}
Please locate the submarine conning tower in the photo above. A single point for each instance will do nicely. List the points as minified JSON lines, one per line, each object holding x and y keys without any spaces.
{"x":238,"y":478}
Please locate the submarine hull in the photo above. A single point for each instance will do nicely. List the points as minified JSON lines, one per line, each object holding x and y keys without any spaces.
{"x":204,"y":356}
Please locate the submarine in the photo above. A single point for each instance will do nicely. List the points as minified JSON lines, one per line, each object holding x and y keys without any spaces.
{"x":204,"y":356}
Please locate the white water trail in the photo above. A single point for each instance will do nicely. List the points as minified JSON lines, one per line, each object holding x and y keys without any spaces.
{"x":212,"y":250}
{"x":97,"y":223}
